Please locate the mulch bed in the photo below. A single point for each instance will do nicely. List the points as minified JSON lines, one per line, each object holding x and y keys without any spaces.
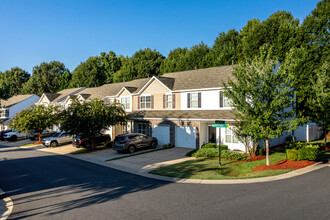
{"x":36,"y":143}
{"x":259,"y":157}
{"x":285,"y":164}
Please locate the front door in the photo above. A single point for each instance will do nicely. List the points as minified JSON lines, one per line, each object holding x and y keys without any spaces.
{"x":212,"y":135}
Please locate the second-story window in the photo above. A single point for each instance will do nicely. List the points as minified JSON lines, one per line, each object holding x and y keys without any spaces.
{"x":145,"y":101}
{"x":168,"y":101}
{"x":194,"y":100}
{"x":125,"y":101}
{"x":224,"y":101}
{"x":4,"y":113}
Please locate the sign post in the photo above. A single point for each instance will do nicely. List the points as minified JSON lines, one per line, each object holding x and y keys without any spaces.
{"x":220,"y":124}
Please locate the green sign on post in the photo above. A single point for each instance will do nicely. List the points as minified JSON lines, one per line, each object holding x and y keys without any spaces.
{"x":220,"y":125}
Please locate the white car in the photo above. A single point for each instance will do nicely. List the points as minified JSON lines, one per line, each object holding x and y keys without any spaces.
{"x":57,"y":139}
{"x":14,"y":136}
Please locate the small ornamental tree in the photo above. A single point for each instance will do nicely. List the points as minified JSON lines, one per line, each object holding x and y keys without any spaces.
{"x":262,"y":99}
{"x":35,"y":118}
{"x":91,"y":117}
{"x":320,"y":103}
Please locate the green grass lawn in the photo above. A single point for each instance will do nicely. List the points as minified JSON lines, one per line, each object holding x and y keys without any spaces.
{"x":320,"y":142}
{"x":208,"y":168}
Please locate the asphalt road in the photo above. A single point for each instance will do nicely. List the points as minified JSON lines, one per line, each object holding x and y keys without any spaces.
{"x":48,"y":186}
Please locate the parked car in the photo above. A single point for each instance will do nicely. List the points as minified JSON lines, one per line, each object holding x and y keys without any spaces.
{"x":57,"y":139}
{"x":2,"y":134}
{"x":14,"y":136}
{"x":33,"y":136}
{"x":83,"y":140}
{"x":131,"y":142}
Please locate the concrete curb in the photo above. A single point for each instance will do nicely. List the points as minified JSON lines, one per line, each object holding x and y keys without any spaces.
{"x":294,"y":173}
{"x":6,"y":205}
{"x":143,"y":173}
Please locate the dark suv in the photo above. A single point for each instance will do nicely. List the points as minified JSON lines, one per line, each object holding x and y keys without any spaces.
{"x":130,"y":142}
{"x":82,"y":140}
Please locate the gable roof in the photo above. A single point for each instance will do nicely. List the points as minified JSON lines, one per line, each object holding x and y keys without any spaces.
{"x":66,"y":92}
{"x":201,"y":78}
{"x":14,"y":100}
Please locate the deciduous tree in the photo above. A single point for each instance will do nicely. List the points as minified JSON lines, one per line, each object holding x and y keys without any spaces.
{"x":91,"y":117}
{"x":35,"y":118}
{"x":262,"y":98}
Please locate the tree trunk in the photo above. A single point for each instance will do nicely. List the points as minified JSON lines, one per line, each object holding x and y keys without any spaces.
{"x":255,"y":147}
{"x":267,"y":152}
{"x":40,"y":136}
{"x":93,"y":142}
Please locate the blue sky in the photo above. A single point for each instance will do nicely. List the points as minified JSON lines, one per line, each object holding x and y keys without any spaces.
{"x":70,"y":31}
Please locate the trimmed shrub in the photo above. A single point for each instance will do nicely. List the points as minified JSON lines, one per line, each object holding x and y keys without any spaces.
{"x":233,"y":155}
{"x":295,"y":144}
{"x":292,"y":154}
{"x":191,"y":153}
{"x":309,"y":152}
{"x":209,"y":145}
{"x":207,"y":152}
{"x":223,"y":147}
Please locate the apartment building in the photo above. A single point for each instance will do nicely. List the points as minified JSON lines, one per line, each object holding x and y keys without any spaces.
{"x":186,"y":109}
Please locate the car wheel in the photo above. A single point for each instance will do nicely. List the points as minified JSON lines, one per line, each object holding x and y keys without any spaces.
{"x":54,"y":144}
{"x":14,"y":138}
{"x":153,"y":145}
{"x":131,"y":149}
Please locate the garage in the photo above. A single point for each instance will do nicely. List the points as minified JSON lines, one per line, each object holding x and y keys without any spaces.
{"x":185,"y":136}
{"x":162,"y":133}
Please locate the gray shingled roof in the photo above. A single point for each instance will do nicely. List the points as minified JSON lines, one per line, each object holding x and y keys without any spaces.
{"x":14,"y":100}
{"x":201,"y":78}
{"x":183,"y":114}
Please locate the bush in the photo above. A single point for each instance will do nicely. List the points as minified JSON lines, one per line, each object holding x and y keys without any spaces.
{"x":207,"y":152}
{"x":223,"y":147}
{"x":191,"y":153}
{"x":294,"y":144}
{"x":233,"y":155}
{"x":292,"y":154}
{"x":209,"y":145}
{"x":309,"y":152}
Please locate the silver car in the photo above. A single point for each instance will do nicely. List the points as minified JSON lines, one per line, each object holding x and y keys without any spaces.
{"x":57,"y":139}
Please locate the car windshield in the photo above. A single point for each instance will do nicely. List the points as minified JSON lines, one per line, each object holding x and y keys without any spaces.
{"x":119,"y":138}
{"x":57,"y":134}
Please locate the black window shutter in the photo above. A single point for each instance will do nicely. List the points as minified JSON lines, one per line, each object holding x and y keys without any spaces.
{"x":199,"y":100}
{"x":188,"y":100}
{"x":221,"y":99}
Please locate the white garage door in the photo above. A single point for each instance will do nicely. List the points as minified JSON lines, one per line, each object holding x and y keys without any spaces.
{"x":185,"y":136}
{"x":162,"y":133}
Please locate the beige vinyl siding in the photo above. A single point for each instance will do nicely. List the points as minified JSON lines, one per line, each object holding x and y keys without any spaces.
{"x":155,"y":87}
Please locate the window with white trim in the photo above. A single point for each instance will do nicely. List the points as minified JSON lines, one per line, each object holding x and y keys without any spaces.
{"x":142,"y":128}
{"x":227,"y":102}
{"x":145,"y":101}
{"x":4,"y":113}
{"x":230,"y":136}
{"x":125,"y":101}
{"x":168,"y":101}
{"x":193,"y":100}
